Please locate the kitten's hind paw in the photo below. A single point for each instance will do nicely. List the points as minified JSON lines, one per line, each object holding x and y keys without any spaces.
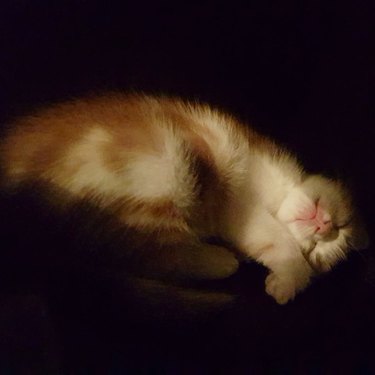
{"x":282,"y":289}
{"x":194,"y":261}
{"x":211,"y":262}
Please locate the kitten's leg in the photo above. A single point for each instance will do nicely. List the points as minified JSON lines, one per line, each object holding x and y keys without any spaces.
{"x":182,"y":260}
{"x":272,"y":245}
{"x":190,"y":261}
{"x":287,"y":276}
{"x":290,"y":273}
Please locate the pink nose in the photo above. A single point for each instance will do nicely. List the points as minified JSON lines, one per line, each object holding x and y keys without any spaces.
{"x":322,"y":220}
{"x":323,"y":227}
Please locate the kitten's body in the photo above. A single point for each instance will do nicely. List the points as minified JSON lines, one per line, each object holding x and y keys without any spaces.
{"x":175,"y":173}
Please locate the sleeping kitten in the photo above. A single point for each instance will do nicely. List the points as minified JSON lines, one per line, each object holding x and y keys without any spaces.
{"x":174,"y":173}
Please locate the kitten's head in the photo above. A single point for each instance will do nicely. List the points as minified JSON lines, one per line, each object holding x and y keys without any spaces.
{"x":321,"y":216}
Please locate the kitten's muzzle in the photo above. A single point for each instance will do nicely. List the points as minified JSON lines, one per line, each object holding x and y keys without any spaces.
{"x":323,"y":227}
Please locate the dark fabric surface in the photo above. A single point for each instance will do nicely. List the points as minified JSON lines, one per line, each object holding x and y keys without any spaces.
{"x":301,"y":72}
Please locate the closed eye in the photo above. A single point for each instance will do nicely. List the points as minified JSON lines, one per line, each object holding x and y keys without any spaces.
{"x":344,"y":224}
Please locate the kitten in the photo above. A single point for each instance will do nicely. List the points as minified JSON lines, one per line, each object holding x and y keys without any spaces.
{"x":173,"y":173}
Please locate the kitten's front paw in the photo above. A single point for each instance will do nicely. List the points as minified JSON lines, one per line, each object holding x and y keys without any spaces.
{"x":320,"y":258}
{"x":281,"y":288}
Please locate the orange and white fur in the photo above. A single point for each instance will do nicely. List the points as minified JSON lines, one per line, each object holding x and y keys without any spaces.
{"x":175,"y":173}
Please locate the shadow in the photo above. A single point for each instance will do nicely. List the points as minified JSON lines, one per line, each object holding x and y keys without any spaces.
{"x":66,"y":282}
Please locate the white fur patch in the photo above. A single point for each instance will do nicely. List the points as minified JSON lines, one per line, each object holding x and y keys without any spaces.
{"x":144,"y":176}
{"x":161,"y":175}
{"x":86,"y":156}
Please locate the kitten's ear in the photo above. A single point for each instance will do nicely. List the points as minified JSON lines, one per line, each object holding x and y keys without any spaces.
{"x":360,"y":239}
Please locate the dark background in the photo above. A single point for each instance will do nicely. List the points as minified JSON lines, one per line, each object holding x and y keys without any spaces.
{"x":301,"y":72}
